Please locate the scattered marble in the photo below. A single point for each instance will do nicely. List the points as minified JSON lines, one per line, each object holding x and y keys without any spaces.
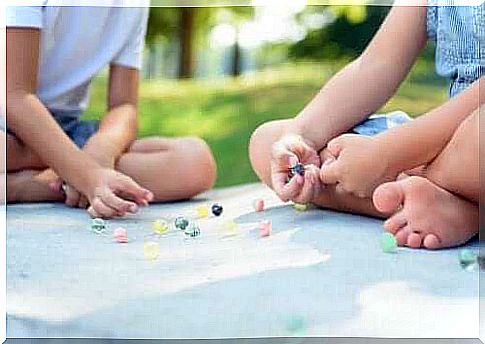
{"x":98,"y":226}
{"x":230,"y":227}
{"x":217,"y":209}
{"x":203,"y":211}
{"x":151,"y":250}
{"x":265,"y":228}
{"x":181,"y":223}
{"x":388,"y":243}
{"x":468,"y":260}
{"x":192,"y":230}
{"x":300,"y":207}
{"x":120,"y":235}
{"x":160,"y":227}
{"x":258,"y":205}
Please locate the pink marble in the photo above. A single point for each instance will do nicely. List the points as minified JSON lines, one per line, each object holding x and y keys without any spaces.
{"x":258,"y":205}
{"x":265,"y":228}
{"x":120,"y":235}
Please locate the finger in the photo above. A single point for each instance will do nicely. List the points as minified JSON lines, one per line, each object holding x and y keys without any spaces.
{"x":291,"y":189}
{"x":314,"y":172}
{"x":330,"y":172}
{"x":335,"y":146}
{"x":102,"y":209}
{"x":128,"y":185}
{"x":72,"y":197}
{"x":83,"y":202}
{"x":283,"y":157}
{"x":278,"y":181}
{"x":120,"y":205}
{"x":326,"y":155}
{"x":306,"y":193}
{"x":93,"y":213}
{"x":279,"y":175}
{"x":304,"y":154}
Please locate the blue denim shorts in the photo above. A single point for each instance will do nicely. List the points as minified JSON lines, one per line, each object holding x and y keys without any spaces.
{"x":378,"y":123}
{"x":78,"y":131}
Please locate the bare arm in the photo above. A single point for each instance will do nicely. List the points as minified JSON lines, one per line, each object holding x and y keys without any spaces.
{"x":420,"y":141}
{"x":30,"y":119}
{"x":363,"y":162}
{"x":366,"y":84}
{"x":118,"y":129}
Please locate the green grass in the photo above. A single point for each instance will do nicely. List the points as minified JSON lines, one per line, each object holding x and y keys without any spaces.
{"x":226,"y":111}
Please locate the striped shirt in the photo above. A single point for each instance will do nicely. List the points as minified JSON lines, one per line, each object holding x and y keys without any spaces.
{"x":459,"y":32}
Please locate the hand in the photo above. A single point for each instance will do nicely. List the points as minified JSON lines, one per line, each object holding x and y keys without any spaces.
{"x":110,"y":194}
{"x":357,"y":164}
{"x":74,"y":198}
{"x":287,"y":152}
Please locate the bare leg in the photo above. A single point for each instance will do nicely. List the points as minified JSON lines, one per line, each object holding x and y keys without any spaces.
{"x":27,"y":177}
{"x":442,"y":210}
{"x":31,"y":186}
{"x":456,"y":169}
{"x":19,"y":156}
{"x":260,"y":153}
{"x":172,"y":169}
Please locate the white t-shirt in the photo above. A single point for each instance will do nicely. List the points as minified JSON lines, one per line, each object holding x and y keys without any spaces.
{"x":77,"y":42}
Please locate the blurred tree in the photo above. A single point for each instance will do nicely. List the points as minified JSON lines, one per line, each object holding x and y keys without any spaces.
{"x":236,"y":16}
{"x":186,"y":35}
{"x":346,"y":36}
{"x":162,"y":25}
{"x":190,"y":25}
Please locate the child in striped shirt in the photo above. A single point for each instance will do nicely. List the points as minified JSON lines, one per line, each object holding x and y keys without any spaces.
{"x":422,"y":175}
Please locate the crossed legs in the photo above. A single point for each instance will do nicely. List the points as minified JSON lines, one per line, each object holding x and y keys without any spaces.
{"x":437,"y":209}
{"x":172,"y":169}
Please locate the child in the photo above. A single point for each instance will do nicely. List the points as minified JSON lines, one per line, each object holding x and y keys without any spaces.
{"x":342,"y":173}
{"x":53,"y":54}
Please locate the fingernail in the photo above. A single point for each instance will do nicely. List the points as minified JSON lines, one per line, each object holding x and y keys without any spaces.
{"x":133,"y":208}
{"x":328,"y":161}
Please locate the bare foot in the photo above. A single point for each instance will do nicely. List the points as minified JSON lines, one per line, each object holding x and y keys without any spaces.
{"x":31,"y":186}
{"x":426,"y":215}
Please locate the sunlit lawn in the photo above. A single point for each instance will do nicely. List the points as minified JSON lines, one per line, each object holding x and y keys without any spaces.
{"x":226,"y":111}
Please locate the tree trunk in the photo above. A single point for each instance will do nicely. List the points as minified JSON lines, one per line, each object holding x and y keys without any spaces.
{"x":152,"y":60}
{"x":187,"y":16}
{"x":236,"y":59}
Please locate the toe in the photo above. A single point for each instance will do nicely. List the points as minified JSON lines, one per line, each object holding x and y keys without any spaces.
{"x":388,"y":197}
{"x":402,"y":236}
{"x":395,"y":223}
{"x":414,"y":240}
{"x":431,"y":242}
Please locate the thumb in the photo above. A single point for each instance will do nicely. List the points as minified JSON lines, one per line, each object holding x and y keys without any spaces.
{"x":329,"y":173}
{"x":335,"y":146}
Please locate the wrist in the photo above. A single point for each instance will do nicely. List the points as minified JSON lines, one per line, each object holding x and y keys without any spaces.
{"x":101,"y":152}
{"x":296,"y":130}
{"x":81,"y":174}
{"x":386,"y":157}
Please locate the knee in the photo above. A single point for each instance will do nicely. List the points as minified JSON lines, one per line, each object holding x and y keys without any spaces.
{"x":199,"y":158}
